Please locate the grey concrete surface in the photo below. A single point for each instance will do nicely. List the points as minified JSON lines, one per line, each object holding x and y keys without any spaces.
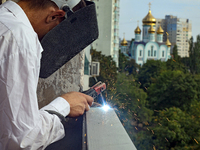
{"x":105,"y":131}
{"x":68,"y":78}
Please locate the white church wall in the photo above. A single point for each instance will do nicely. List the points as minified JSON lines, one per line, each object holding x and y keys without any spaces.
{"x":151,"y":51}
{"x":163,"y":53}
{"x":139,"y":54}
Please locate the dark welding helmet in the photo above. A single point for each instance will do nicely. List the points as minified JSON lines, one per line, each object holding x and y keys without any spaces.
{"x":78,"y":30}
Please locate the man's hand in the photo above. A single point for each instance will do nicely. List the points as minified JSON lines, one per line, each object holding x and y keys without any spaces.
{"x":78,"y":102}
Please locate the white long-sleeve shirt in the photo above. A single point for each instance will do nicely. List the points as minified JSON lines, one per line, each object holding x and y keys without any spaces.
{"x":22,"y":124}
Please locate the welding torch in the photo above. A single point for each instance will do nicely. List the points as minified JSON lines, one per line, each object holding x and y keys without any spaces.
{"x":94,"y":91}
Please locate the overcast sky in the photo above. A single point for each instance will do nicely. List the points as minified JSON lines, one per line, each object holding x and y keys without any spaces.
{"x":131,"y":11}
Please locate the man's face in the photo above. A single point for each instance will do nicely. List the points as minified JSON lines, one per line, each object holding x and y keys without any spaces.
{"x":44,"y":29}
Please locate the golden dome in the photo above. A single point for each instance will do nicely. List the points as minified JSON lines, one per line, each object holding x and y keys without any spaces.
{"x":149,"y":19}
{"x":137,"y":30}
{"x":168,"y":43}
{"x":151,"y":29}
{"x":160,"y":30}
{"x":124,"y":42}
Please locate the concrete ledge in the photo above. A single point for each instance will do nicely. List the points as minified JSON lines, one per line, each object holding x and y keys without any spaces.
{"x":105,"y":131}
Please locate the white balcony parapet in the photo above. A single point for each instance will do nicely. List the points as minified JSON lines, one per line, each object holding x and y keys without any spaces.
{"x":105,"y":131}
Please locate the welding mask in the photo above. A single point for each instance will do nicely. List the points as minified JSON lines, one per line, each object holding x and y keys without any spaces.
{"x":71,"y":36}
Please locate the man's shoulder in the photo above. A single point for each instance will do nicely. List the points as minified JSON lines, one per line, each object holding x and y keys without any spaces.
{"x":12,"y":24}
{"x":14,"y":28}
{"x":14,"y":20}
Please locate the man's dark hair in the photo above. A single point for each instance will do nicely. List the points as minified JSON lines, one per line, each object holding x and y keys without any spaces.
{"x":39,"y":4}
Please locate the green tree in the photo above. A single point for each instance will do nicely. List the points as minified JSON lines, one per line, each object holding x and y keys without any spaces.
{"x":130,"y":98}
{"x":176,"y":57}
{"x":127,"y":65}
{"x":176,"y":63}
{"x":197,"y":80}
{"x":130,"y":103}
{"x":123,"y":61}
{"x":186,"y":62}
{"x":172,"y":65}
{"x":175,"y":129}
{"x":194,"y":52}
{"x":150,"y":71}
{"x":108,"y":69}
{"x":172,"y":89}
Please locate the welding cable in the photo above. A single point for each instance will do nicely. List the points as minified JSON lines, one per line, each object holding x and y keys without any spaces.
{"x":62,"y":118}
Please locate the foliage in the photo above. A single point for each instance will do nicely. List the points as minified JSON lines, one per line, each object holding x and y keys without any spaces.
{"x":175,"y":54}
{"x":128,"y":97}
{"x":176,"y":129}
{"x":172,"y":65}
{"x":150,"y":71}
{"x":172,"y":88}
{"x":123,"y":61}
{"x":127,"y":65}
{"x":197,"y":81}
{"x":172,"y":129}
{"x":130,"y":103}
{"x":108,"y":69}
{"x":186,"y":62}
{"x":194,"y":59}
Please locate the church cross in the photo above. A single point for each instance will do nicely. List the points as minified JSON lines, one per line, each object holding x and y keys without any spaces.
{"x":149,"y":5}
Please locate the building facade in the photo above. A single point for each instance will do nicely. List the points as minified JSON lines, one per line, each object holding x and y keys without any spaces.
{"x":180,"y":31}
{"x":108,"y":23}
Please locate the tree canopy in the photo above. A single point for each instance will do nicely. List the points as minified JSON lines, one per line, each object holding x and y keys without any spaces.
{"x":149,"y":71}
{"x":127,"y":64}
{"x":194,"y":59}
{"x":172,"y":88}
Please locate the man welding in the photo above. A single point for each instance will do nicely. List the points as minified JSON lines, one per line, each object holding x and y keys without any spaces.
{"x":22,"y":124}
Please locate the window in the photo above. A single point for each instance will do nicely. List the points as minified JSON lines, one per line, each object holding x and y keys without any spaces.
{"x":149,"y":53}
{"x":151,"y":50}
{"x":140,"y":52}
{"x":155,"y":53}
{"x":163,"y":53}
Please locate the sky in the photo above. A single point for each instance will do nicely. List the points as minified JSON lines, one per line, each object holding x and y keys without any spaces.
{"x":132,"y":11}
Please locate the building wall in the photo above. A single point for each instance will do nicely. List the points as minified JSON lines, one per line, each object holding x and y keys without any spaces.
{"x":87,"y":68}
{"x":149,"y":51}
{"x":68,"y":78}
{"x":179,"y":30}
{"x":108,"y":23}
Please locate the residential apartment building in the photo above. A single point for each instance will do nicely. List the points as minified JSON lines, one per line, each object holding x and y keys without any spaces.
{"x":108,"y":23}
{"x":179,"y":30}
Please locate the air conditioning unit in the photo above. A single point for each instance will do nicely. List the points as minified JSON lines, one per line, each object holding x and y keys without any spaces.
{"x":95,"y":68}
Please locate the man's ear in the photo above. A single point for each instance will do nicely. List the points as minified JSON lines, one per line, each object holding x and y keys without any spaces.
{"x":55,"y":16}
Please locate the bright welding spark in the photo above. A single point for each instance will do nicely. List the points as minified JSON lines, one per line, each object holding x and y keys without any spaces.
{"x":106,"y":107}
{"x":196,"y":141}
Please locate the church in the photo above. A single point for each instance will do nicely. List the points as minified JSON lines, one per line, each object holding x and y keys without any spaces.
{"x":151,"y":46}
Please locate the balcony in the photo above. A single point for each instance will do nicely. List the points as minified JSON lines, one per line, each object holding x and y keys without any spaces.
{"x":97,"y":129}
